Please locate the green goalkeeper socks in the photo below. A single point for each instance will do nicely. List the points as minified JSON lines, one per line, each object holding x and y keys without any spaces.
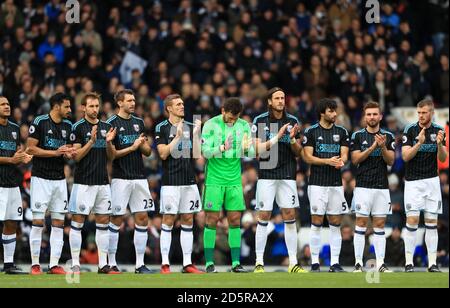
{"x":234,"y":240}
{"x":209,"y":243}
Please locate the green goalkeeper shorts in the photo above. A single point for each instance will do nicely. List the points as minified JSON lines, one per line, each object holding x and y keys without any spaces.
{"x":230,"y":197}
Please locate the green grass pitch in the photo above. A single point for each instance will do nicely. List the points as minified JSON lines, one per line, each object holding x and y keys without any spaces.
{"x":229,"y":280}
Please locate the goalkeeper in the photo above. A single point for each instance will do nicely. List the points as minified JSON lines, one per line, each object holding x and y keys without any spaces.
{"x":225,"y":140}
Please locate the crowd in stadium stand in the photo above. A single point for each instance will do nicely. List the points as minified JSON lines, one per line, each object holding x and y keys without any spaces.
{"x":212,"y":49}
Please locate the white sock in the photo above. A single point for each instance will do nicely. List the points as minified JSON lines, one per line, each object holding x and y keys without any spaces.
{"x":75,"y":242}
{"x":335,"y":243}
{"x":359,"y":242}
{"x":9,"y":247}
{"x":261,"y":241}
{"x":102,"y":241}
{"x":291,"y":239}
{"x":166,"y":241}
{"x":56,"y":245}
{"x":410,"y":243}
{"x":315,"y":243}
{"x":187,"y":240}
{"x":379,"y":241}
{"x":35,"y":243}
{"x":140,"y":244}
{"x":431,"y":240}
{"x":113,"y":231}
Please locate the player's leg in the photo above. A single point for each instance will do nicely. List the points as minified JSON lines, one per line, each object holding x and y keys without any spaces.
{"x":414,"y":204}
{"x":433,"y":207}
{"x":102,"y":210}
{"x":213,"y":199}
{"x":381,"y":208}
{"x":141,"y":203}
{"x":190,"y":204}
{"x":359,"y":241}
{"x":265,"y":195}
{"x":318,"y":203}
{"x":362,"y":203}
{"x":235,"y":205}
{"x":82,"y":201}
{"x":235,"y":239}
{"x":337,"y":207}
{"x":335,"y":240}
{"x":431,"y":240}
{"x":75,"y":239}
{"x":102,"y":241}
{"x":40,"y":197}
{"x":11,"y":212}
{"x":287,"y":198}
{"x":120,"y":196}
{"x":187,"y":242}
{"x":168,"y":221}
{"x":58,"y":208}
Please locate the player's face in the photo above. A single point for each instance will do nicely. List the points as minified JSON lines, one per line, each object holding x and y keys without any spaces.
{"x":330,"y":115}
{"x":64,"y":109}
{"x":425,"y":115}
{"x":177,"y":108}
{"x":128,"y":104}
{"x":373,"y":117}
{"x":5,"y":108}
{"x":92,"y":108}
{"x":230,"y":118}
{"x":278,"y":101}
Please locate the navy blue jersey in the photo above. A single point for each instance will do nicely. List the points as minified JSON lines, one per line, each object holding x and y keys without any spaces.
{"x":326,"y":143}
{"x":10,"y":175}
{"x":131,"y":166}
{"x":51,"y":136}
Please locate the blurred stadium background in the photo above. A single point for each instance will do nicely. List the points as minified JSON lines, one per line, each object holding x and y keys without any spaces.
{"x":211,"y":49}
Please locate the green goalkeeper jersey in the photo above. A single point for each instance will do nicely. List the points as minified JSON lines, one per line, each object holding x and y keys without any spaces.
{"x":224,"y":169}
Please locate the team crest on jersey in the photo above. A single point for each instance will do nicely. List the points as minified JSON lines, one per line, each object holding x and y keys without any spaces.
{"x":103,"y":133}
{"x":64,"y":133}
{"x":14,"y":135}
{"x":186,"y":134}
{"x":433,"y":137}
{"x":336,"y":138}
{"x":136,"y":127}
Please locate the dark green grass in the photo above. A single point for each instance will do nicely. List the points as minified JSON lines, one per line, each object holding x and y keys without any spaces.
{"x":229,"y":280}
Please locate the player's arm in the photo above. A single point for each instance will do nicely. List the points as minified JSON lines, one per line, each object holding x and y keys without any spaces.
{"x":145,"y":147}
{"x":409,"y":151}
{"x":209,"y":146}
{"x":345,"y":148}
{"x":19,"y":157}
{"x":309,"y":158}
{"x":34,"y":150}
{"x":294,"y":135}
{"x":164,"y":148}
{"x":82,"y":151}
{"x":263,"y":147}
{"x":442,"y":149}
{"x":357,"y":155}
{"x":197,"y":142}
{"x":387,"y":148}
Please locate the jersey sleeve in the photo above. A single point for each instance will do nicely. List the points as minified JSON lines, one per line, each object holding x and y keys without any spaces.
{"x":345,"y":138}
{"x":390,"y":142}
{"x":160,"y":136}
{"x":355,"y":143}
{"x":308,"y":140}
{"x":35,"y":130}
{"x":76,"y":136}
{"x":255,"y":130}
{"x":248,"y":132}
{"x":296,"y":121}
{"x":408,"y":138}
{"x":210,"y":146}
